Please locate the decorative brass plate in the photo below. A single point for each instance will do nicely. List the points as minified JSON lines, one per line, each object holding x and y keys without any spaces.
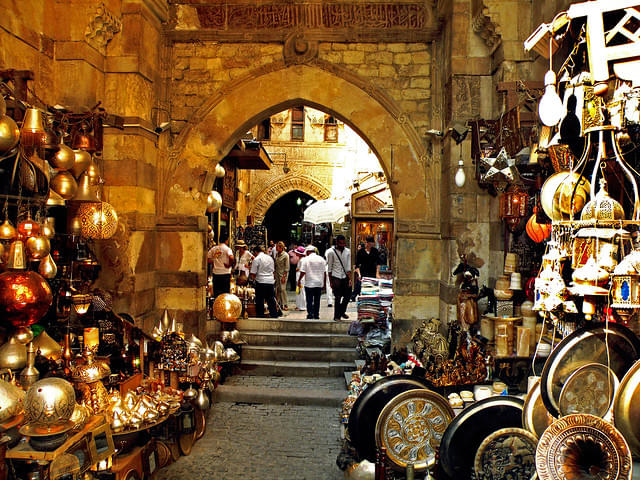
{"x":584,"y":346}
{"x":507,"y":453}
{"x":626,"y":408}
{"x":535,"y":417}
{"x":186,"y":441}
{"x":411,"y":426}
{"x":583,"y":446}
{"x":590,"y":389}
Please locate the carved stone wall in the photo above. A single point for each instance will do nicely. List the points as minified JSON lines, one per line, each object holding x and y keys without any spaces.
{"x":269,"y":194}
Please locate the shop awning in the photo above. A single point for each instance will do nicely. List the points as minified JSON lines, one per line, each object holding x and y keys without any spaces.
{"x":326,"y":211}
{"x":250,"y":155}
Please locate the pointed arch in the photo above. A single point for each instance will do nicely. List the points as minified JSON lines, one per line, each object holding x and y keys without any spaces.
{"x":273,"y":192}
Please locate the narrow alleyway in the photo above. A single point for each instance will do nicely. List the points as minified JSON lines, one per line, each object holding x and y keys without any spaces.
{"x":272,"y":438}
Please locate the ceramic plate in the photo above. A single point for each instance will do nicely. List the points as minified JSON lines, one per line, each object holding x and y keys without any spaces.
{"x":411,"y":426}
{"x":626,"y":408}
{"x":590,"y":389}
{"x":535,"y":417}
{"x":582,"y":446}
{"x":367,"y":408}
{"x":468,"y":430}
{"x":507,"y":453}
{"x":584,"y":346}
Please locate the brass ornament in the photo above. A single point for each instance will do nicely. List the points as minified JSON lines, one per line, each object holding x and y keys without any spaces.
{"x":219,"y":171}
{"x":32,"y":130}
{"x":17,"y":258}
{"x":30,"y":374}
{"x":626,"y":408}
{"x":48,"y":228}
{"x":81,"y":161}
{"x":202,"y":400}
{"x":508,"y":450}
{"x":55,"y":200}
{"x":535,"y":417}
{"x":24,"y":297}
{"x":97,"y":220}
{"x":49,"y":403}
{"x":9,"y":133}
{"x":23,"y":335}
{"x":38,"y":247}
{"x":11,"y":399}
{"x":13,"y":354}
{"x":411,"y":426}
{"x":86,"y":191}
{"x":227,"y":307}
{"x":64,"y":185}
{"x":94,"y":174}
{"x":581,"y":444}
{"x":47,"y":346}
{"x":64,"y":159}
{"x":48,"y":268}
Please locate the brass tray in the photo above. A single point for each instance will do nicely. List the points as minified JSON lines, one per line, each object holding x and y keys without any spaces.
{"x":186,"y":441}
{"x":32,"y":431}
{"x":626,"y":408}
{"x":584,"y":346}
{"x":590,"y":389}
{"x":582,"y":446}
{"x":411,"y":426}
{"x":507,"y":453}
{"x":535,"y":417}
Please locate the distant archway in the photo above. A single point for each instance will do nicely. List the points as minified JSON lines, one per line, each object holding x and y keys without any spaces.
{"x":271,"y":193}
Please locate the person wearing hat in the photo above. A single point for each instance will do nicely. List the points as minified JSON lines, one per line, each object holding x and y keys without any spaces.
{"x":313,"y":271}
{"x":301,"y":300}
{"x":244,"y":262}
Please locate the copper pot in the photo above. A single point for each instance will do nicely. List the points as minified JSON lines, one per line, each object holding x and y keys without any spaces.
{"x":9,"y":133}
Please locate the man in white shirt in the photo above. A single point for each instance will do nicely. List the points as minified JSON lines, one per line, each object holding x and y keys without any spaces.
{"x":221,"y":256}
{"x":263,"y":272}
{"x":313,"y":270}
{"x":339,"y":270}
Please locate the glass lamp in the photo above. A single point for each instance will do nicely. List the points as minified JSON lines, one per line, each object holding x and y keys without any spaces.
{"x":513,"y":206}
{"x":97,"y":220}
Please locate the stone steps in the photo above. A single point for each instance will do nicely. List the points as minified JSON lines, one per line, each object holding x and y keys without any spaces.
{"x":299,"y":353}
{"x":293,"y":325}
{"x":303,"y":339}
{"x":295,"y":368}
{"x":280,"y":396}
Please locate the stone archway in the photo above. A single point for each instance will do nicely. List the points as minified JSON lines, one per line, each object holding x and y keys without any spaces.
{"x":414,"y":175}
{"x":273,"y":192}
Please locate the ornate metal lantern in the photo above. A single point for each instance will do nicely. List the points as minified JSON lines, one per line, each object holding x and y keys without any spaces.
{"x":513,"y":206}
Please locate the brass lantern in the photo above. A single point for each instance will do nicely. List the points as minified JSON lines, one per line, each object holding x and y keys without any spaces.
{"x":513,"y":206}
{"x":625,"y":285}
{"x":97,"y":220}
{"x":88,"y":377}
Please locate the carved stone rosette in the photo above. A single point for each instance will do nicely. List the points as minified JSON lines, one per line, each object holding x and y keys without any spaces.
{"x":103,"y":25}
{"x":298,"y":49}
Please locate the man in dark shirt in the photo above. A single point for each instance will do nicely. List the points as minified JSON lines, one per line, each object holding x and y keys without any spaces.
{"x":368,"y":260}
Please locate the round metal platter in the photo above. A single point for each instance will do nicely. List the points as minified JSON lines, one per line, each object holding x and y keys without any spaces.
{"x":507,"y":453}
{"x":583,"y":446}
{"x":367,"y":408}
{"x":590,"y":389}
{"x":466,"y":432}
{"x":411,"y":426}
{"x":626,"y":408}
{"x":535,"y":417}
{"x":585,"y":346}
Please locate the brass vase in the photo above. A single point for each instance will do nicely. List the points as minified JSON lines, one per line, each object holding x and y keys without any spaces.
{"x":30,"y":374}
{"x":13,"y":355}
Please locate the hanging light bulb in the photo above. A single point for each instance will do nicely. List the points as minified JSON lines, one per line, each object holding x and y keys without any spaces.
{"x":460,"y":177}
{"x":550,"y":108}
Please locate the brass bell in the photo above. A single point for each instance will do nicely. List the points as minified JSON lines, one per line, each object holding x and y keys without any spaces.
{"x":38,"y":247}
{"x":86,"y":193}
{"x":84,"y":140}
{"x":7,"y":231}
{"x":64,"y":185}
{"x":32,"y":131}
{"x":9,"y":133}
{"x":82,"y":160}
{"x":17,"y":258}
{"x":64,"y":159}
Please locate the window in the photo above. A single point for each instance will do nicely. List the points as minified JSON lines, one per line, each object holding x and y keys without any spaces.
{"x":330,"y":129}
{"x":264,"y":129}
{"x":297,"y":124}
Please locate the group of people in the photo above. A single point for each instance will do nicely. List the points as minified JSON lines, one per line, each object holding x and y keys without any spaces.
{"x":270,"y":270}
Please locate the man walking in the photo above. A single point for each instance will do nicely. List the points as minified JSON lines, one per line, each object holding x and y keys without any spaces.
{"x":282,"y":272}
{"x":339,"y":269}
{"x":221,"y":256}
{"x":312,"y":270}
{"x":262,"y":271}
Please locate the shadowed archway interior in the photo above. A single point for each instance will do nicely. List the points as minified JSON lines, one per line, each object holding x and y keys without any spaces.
{"x":284,"y":218}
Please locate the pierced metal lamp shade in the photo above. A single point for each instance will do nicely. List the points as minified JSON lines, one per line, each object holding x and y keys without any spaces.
{"x":97,"y":220}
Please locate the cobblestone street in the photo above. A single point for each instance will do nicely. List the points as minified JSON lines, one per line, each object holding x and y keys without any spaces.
{"x":266,"y":442}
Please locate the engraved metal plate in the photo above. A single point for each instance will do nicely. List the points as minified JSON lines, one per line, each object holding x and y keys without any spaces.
{"x":590,"y":389}
{"x":582,"y":446}
{"x":535,"y":416}
{"x":626,"y":408}
{"x":507,"y":453}
{"x":411,"y":426}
